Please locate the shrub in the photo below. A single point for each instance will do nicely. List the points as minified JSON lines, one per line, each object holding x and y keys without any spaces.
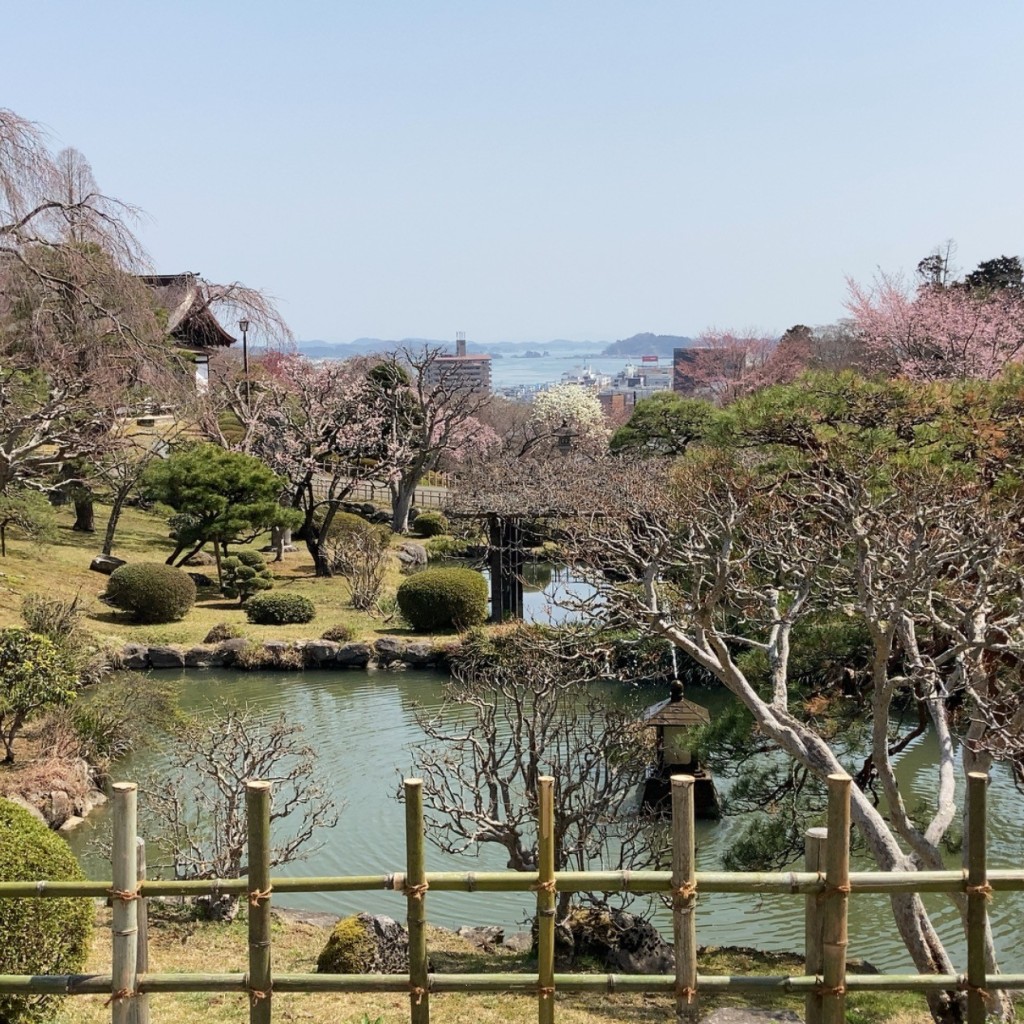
{"x":445,"y":546}
{"x":430,"y":524}
{"x":442,"y":598}
{"x":151,"y":592}
{"x":339,"y":634}
{"x":223,"y":631}
{"x":57,"y":618}
{"x":245,"y":574}
{"x":48,"y":936}
{"x":256,"y":657}
{"x":279,"y":609}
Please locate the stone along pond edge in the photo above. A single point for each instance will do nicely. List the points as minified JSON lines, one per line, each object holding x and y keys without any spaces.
{"x":271,"y":655}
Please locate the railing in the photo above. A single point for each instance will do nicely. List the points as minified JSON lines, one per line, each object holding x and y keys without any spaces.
{"x":827,"y":887}
{"x":426,"y":496}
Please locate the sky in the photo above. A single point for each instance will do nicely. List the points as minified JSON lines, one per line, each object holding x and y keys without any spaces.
{"x":537,"y":170}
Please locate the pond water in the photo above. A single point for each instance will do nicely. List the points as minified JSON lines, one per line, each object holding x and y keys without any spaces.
{"x":362,"y":725}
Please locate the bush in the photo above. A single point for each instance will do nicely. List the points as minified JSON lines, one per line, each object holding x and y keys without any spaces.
{"x":430,"y":524}
{"x":442,"y":598}
{"x":279,"y":609}
{"x":48,"y":936}
{"x":446,"y":546}
{"x":245,"y":574}
{"x":339,"y":634}
{"x":151,"y":592}
{"x":223,"y":631}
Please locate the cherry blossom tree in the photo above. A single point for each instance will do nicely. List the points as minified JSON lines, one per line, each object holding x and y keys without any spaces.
{"x":724,"y":365}
{"x":936,"y":331}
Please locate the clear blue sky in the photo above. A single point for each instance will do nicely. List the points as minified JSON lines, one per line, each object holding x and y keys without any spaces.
{"x":537,"y":170}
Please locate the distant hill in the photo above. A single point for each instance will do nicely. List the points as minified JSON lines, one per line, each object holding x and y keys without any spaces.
{"x":647,"y":345}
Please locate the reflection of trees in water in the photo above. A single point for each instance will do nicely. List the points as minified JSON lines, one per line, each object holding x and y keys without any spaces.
{"x":538,"y":575}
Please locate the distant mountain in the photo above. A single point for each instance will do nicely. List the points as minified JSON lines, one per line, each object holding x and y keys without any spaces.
{"x":647,"y":345}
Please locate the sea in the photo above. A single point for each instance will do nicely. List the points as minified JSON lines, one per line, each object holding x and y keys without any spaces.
{"x":523,"y":372}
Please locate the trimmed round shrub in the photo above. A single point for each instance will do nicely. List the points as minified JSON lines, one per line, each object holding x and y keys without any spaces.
{"x":245,"y":574}
{"x":48,"y":936}
{"x":443,"y":598}
{"x":340,"y":633}
{"x":430,"y":524}
{"x":151,"y":592}
{"x":279,"y":609}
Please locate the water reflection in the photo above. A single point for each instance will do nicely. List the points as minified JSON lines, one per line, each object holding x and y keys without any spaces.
{"x":363,"y":724}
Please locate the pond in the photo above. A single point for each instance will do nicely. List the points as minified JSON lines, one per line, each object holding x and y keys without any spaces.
{"x":363,"y":723}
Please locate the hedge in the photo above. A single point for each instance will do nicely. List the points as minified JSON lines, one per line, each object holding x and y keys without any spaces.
{"x":151,"y":592}
{"x":436,"y":599}
{"x":279,"y":609}
{"x":49,"y":936}
{"x":430,"y":524}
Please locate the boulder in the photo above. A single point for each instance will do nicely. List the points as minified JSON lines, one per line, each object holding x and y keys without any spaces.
{"x":485,"y":938}
{"x":106,"y":564}
{"x":419,"y":655}
{"x":200,"y":558}
{"x":519,"y":942}
{"x":366,"y":509}
{"x":57,"y":808}
{"x":389,"y":650}
{"x":320,"y":653}
{"x":365,"y":944}
{"x":619,"y":941}
{"x":410,"y":553}
{"x":741,"y":1015}
{"x":202,"y":581}
{"x":27,"y":805}
{"x":71,"y":823}
{"x":135,"y":657}
{"x":199,"y":656}
{"x":166,"y":657}
{"x":380,"y":517}
{"x":224,"y":653}
{"x":353,"y":655}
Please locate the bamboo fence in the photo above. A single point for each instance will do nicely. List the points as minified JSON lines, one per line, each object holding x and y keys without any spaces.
{"x":827,"y":885}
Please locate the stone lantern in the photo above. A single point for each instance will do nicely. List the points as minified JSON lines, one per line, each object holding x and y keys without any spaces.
{"x":674,"y":721}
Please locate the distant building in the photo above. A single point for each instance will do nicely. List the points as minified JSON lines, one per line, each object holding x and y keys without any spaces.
{"x":190,"y":322}
{"x":461,"y":370}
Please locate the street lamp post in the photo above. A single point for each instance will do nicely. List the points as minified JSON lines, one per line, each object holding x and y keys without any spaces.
{"x":244,"y":327}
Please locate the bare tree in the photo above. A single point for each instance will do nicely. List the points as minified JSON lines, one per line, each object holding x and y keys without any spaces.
{"x":512,"y":714}
{"x":198,"y":805}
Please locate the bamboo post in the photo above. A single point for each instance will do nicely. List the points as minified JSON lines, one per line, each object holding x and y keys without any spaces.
{"x":546,"y":899}
{"x":416,"y":914}
{"x":259,"y":981}
{"x":978,"y":895}
{"x":124,"y":899}
{"x":140,"y":1004}
{"x":837,"y":899}
{"x":684,"y":897}
{"x":814,"y":860}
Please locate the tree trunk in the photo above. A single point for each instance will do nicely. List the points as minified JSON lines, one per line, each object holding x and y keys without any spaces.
{"x":403,"y":495}
{"x":85,"y":512}
{"x":112,"y":520}
{"x":3,"y":540}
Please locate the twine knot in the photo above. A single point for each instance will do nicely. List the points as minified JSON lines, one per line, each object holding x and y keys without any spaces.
{"x":685,"y":891}
{"x":416,"y":993}
{"x":118,"y":995}
{"x":546,"y":991}
{"x":255,"y":995}
{"x":125,"y":895}
{"x":415,"y":892}
{"x":549,"y":886}
{"x":984,"y":890}
{"x":257,"y":895}
{"x":687,"y":993}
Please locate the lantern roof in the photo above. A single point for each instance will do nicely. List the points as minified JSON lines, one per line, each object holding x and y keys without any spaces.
{"x":676,"y":712}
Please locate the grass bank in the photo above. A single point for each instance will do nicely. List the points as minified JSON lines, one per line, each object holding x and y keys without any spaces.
{"x":62,"y":567}
{"x":182,"y":946}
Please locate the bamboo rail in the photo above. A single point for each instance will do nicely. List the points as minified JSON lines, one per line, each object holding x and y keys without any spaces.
{"x":824,"y":985}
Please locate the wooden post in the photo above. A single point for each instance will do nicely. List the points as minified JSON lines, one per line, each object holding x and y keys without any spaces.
{"x":546,"y":899}
{"x":260,"y":984}
{"x":140,"y":1004}
{"x":416,"y":914}
{"x":684,"y":897}
{"x":814,"y":860}
{"x":124,"y":898}
{"x":978,"y":894}
{"x":837,"y":899}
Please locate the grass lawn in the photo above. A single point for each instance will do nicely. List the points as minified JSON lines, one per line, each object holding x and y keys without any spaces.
{"x":182,"y":946}
{"x":63,"y":568}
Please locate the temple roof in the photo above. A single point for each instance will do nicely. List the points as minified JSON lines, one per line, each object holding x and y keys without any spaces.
{"x":189,"y":317}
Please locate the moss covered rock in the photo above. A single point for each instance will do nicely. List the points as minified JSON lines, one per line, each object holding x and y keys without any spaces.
{"x":49,"y":936}
{"x":365,"y":944}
